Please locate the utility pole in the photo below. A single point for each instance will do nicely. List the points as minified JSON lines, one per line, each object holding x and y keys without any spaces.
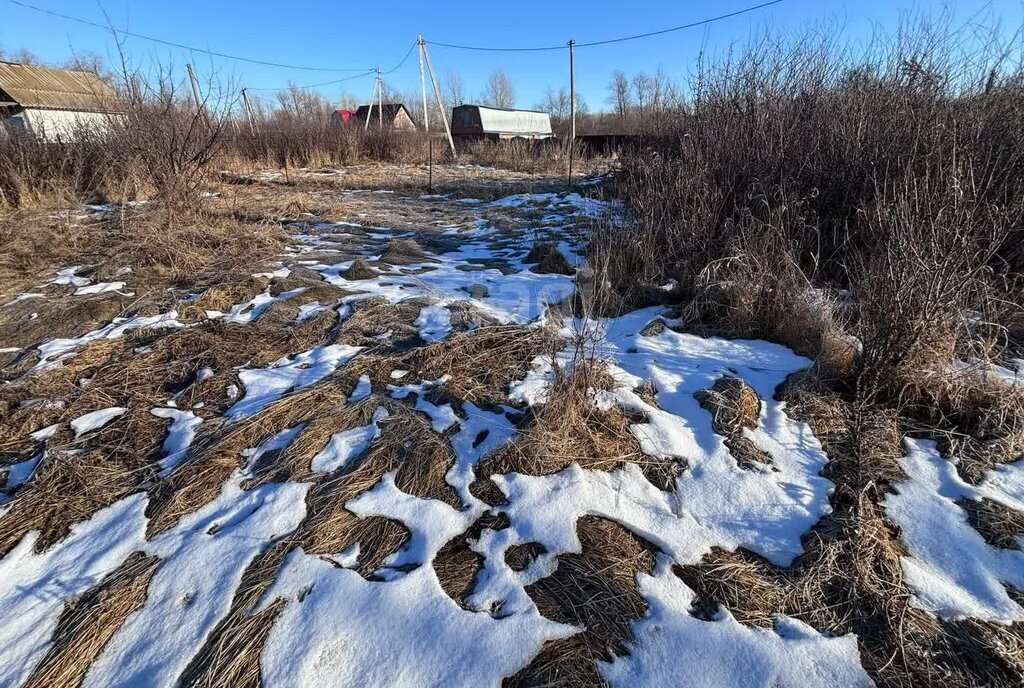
{"x":572,"y":104}
{"x":195,"y":93}
{"x":440,"y":102}
{"x":380,"y":100}
{"x":423,"y":88}
{"x":248,"y":112}
{"x":369,"y":108}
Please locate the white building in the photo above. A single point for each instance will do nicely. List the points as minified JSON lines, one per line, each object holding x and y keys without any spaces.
{"x":481,"y":122}
{"x":51,"y":103}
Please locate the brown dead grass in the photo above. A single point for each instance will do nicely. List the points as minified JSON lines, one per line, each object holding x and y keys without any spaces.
{"x":548,"y":259}
{"x":850,"y":577}
{"x":405,"y":252}
{"x":360,"y":270}
{"x":998,"y":524}
{"x":457,"y":565}
{"x":734,"y":405}
{"x":198,"y":481}
{"x":88,"y":621}
{"x":568,"y":429}
{"x":596,"y":590}
{"x":420,"y":459}
{"x":231,"y":654}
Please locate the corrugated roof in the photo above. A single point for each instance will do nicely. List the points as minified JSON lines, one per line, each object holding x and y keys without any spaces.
{"x":57,"y":89}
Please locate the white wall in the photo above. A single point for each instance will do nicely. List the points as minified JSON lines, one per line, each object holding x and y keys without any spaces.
{"x":51,"y":124}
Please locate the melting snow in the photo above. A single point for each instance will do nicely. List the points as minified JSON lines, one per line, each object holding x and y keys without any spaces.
{"x":96,"y":419}
{"x":34,"y":587}
{"x":714,"y":502}
{"x":362,"y":389}
{"x":435,"y":323}
{"x":203,"y":558}
{"x":345,"y":446}
{"x":952,"y":571}
{"x":264,"y":386}
{"x":54,"y":350}
{"x":673,"y":647}
{"x":180,"y":436}
{"x":99,"y":288}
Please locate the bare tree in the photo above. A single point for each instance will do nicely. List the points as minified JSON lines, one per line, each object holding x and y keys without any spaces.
{"x":413,"y":102}
{"x":556,"y":103}
{"x":499,"y":91}
{"x":642,"y":86}
{"x":619,"y":94}
{"x":454,"y":88}
{"x":347,"y":101}
{"x":21,"y":55}
{"x":90,"y":62}
{"x":304,"y":103}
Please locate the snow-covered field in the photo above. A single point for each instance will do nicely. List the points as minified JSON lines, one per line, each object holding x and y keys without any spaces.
{"x":332,"y":626}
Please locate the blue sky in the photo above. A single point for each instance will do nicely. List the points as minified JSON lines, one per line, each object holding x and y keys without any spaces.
{"x":365,"y":33}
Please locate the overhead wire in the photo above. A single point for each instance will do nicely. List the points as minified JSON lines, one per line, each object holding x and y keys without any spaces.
{"x":132,"y":34}
{"x":364,"y":72}
{"x":589,"y":44}
{"x":367,"y":73}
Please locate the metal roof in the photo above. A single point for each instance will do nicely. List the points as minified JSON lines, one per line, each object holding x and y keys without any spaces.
{"x":31,"y":86}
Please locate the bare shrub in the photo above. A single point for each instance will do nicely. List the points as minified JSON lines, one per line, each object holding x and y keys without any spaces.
{"x":862,"y":207}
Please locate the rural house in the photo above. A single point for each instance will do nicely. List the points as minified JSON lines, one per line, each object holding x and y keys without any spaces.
{"x":53,"y":103}
{"x":395,"y":116}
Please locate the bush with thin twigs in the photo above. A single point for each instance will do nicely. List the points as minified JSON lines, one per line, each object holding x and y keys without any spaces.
{"x":864,"y":205}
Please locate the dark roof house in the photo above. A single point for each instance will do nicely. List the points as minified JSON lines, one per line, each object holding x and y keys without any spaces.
{"x":395,"y":116}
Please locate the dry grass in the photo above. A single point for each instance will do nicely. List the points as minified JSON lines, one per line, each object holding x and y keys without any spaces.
{"x":456,"y":565}
{"x":850,"y":577}
{"x":1001,"y":526}
{"x":568,"y":429}
{"x":420,"y":459}
{"x":734,"y":405}
{"x":87,"y":623}
{"x":549,"y":260}
{"x":230,"y":656}
{"x":596,"y":590}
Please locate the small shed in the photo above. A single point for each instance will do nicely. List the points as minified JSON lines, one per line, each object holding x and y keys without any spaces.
{"x":481,"y":122}
{"x":395,"y":116}
{"x":53,"y":103}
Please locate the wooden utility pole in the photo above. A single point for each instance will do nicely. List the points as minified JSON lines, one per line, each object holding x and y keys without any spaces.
{"x":440,"y":102}
{"x":195,"y":93}
{"x":380,"y":100}
{"x":369,"y":108}
{"x":248,"y":112}
{"x":423,"y":88}
{"x":572,"y":104}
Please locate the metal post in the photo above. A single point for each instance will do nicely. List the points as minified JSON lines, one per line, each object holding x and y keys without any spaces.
{"x":369,"y":108}
{"x":572,"y":104}
{"x":380,"y":100}
{"x":423,"y":88}
{"x":440,"y":102}
{"x":430,"y":165}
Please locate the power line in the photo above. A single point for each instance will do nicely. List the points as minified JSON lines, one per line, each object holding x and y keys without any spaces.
{"x":691,"y":25}
{"x":402,"y":62}
{"x":338,"y":81}
{"x":326,"y":83}
{"x":132,"y":34}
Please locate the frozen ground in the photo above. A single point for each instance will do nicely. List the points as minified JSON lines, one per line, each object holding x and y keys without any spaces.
{"x":328,"y":624}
